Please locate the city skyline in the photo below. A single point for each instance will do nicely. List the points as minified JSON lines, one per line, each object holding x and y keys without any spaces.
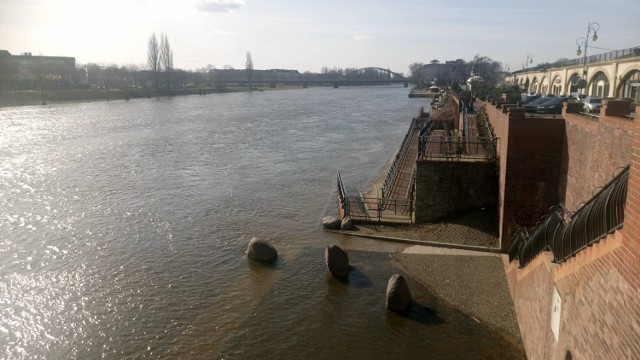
{"x":307,"y":36}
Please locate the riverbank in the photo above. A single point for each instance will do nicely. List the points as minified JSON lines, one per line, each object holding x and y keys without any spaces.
{"x":37,"y":97}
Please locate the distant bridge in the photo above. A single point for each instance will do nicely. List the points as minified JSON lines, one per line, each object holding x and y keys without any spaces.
{"x":358,"y":77}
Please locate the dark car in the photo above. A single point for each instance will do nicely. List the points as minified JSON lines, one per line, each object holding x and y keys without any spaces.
{"x":554,"y":106}
{"x":529,"y":98}
{"x":533,"y":106}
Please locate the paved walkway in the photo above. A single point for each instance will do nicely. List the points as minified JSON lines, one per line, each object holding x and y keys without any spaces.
{"x":475,"y":230}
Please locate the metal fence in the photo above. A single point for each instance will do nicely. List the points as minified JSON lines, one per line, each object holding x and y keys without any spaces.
{"x":566,"y":234}
{"x":397,"y":161}
{"x":372,"y":209}
{"x":615,"y":54}
{"x":460,"y":147}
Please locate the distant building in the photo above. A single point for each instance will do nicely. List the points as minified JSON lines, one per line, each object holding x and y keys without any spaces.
{"x":448,"y":72}
{"x":26,"y":71}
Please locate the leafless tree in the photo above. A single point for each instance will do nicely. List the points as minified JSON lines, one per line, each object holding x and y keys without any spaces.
{"x":7,"y":72}
{"x":153,"y":59}
{"x":166,"y":58}
{"x":417,"y":74}
{"x":249,"y":68}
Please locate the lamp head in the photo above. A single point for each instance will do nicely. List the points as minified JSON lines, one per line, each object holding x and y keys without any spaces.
{"x":579,"y":51}
{"x":595,"y":35}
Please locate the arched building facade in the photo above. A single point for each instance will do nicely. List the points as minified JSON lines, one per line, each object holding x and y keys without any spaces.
{"x":611,"y":77}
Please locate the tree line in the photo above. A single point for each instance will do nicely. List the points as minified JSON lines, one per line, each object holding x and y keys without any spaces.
{"x":455,"y":73}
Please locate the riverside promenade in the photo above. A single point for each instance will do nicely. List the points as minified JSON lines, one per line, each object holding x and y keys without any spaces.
{"x":457,"y":259}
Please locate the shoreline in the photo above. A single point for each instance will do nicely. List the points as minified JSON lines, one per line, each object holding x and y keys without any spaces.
{"x":34,"y":97}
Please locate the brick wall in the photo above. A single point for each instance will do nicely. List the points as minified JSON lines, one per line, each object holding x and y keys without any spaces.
{"x":530,"y":167}
{"x":444,"y":187}
{"x":595,"y":151}
{"x":599,"y":287}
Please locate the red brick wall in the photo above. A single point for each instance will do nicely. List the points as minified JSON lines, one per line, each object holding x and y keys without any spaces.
{"x":595,"y":151}
{"x":600,"y":286}
{"x":530,"y":166}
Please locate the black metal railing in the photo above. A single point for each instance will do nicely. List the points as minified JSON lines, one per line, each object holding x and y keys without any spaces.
{"x":342,"y":197}
{"x":397,"y":161}
{"x":460,"y":147}
{"x":372,"y":209}
{"x":423,"y":136}
{"x":465,"y":120}
{"x":566,"y":234}
{"x":611,"y":55}
{"x":603,"y":214}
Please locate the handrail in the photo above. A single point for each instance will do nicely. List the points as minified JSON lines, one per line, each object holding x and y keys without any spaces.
{"x":601,"y":215}
{"x":397,"y":161}
{"x":460,"y":147}
{"x":342,"y":196}
{"x":611,"y":55}
{"x":566,"y":234}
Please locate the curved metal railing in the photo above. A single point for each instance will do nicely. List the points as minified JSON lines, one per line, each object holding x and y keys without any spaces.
{"x":566,"y":234}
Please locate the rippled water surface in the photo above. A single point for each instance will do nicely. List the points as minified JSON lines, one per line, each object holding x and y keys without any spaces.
{"x":123,"y":227}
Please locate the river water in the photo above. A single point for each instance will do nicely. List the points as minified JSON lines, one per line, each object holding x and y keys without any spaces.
{"x":123,"y":227}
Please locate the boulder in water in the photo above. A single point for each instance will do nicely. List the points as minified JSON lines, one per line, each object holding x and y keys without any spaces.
{"x":398,"y":294}
{"x":337,"y":261}
{"x":346,"y":224}
{"x":261,"y":250}
{"x":331,"y":222}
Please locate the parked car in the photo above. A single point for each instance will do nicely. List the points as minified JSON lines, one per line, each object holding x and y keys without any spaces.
{"x":592,"y":104}
{"x":533,"y":105}
{"x":529,"y":98}
{"x":554,"y":106}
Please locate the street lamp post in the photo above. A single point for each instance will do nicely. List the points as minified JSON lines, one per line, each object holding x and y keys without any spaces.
{"x":528,"y":61}
{"x":585,"y":40}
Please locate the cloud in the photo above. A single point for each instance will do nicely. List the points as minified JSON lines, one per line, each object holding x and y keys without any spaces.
{"x":219,"y":6}
{"x":362,"y":37}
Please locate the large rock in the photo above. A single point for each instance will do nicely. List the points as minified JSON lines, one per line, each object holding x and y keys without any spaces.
{"x":337,"y":261}
{"x":331,"y":222}
{"x":398,"y":294}
{"x":261,"y":250}
{"x":346,"y":224}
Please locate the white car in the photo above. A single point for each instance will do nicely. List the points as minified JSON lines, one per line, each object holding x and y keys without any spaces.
{"x":592,"y":104}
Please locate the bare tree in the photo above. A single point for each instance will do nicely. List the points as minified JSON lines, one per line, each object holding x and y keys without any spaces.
{"x":7,"y":71}
{"x":417,"y":74}
{"x":153,"y":59}
{"x":249,"y":68}
{"x":166,"y":58}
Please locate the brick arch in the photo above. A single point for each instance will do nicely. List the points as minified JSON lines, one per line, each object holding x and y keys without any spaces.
{"x":632,"y":73}
{"x":544,"y":85}
{"x":626,"y":69}
{"x":557,"y":84}
{"x":575,"y":75}
{"x":599,"y":84}
{"x":534,"y":84}
{"x":594,"y":72}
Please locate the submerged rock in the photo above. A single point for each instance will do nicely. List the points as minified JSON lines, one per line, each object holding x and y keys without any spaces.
{"x":346,"y":224}
{"x":331,"y":222}
{"x":337,"y":261}
{"x":261,"y":250}
{"x":398,"y":294}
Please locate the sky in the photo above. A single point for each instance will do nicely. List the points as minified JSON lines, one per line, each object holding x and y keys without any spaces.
{"x":307,"y":35}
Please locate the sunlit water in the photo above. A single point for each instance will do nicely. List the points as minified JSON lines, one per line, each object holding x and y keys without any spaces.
{"x":123,"y":227}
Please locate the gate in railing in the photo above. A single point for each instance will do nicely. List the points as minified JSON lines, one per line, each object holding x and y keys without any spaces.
{"x":372,"y":209}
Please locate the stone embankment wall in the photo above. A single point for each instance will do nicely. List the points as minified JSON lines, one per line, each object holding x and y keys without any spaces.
{"x":588,"y":306}
{"x":445,"y":187}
